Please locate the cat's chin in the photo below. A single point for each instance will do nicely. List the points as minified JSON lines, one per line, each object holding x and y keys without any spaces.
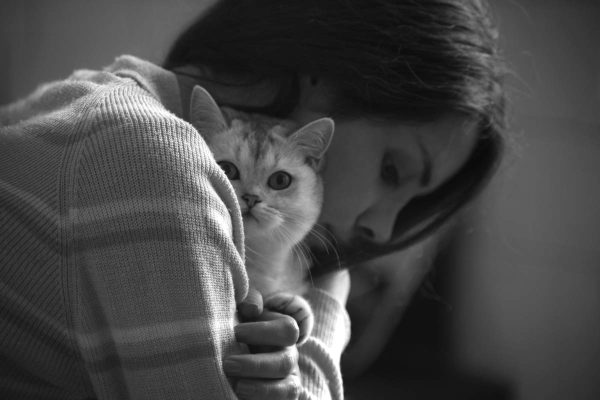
{"x":258,"y":224}
{"x":264,"y":218}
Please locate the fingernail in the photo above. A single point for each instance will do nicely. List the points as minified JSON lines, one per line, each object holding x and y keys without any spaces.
{"x":245,"y":390}
{"x":232,"y":367}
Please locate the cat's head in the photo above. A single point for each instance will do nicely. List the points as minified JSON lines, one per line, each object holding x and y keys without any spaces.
{"x":271,"y":163}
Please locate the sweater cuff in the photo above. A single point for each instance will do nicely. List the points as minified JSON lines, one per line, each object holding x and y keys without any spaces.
{"x":332,"y":323}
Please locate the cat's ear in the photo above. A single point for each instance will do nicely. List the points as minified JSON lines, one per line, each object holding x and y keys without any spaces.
{"x":205,"y":114}
{"x":314,"y":138}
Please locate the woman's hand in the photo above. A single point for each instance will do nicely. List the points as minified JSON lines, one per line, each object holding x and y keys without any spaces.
{"x":270,"y":371}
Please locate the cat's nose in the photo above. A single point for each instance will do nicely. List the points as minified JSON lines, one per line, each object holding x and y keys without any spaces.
{"x":251,"y":199}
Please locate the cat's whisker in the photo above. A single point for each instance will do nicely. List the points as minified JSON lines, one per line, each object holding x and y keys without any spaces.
{"x":253,"y":256}
{"x":299,"y":252}
{"x":303,"y":252}
{"x":328,"y":241}
{"x":326,"y":234}
{"x":284,"y":234}
{"x":296,"y":221}
{"x":251,"y":250}
{"x":299,"y":249}
{"x":322,"y":238}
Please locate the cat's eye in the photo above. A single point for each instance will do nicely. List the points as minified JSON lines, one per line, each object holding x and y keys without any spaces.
{"x":389,"y":171}
{"x":230,"y":170}
{"x":279,"y":180}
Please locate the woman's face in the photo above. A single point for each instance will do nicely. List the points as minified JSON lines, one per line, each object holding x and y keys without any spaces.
{"x":373,"y":169}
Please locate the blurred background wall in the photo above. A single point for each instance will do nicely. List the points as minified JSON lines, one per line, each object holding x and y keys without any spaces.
{"x":42,"y":40}
{"x":526,"y":289}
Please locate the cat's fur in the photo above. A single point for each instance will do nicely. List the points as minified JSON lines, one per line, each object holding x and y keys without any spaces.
{"x":268,"y":154}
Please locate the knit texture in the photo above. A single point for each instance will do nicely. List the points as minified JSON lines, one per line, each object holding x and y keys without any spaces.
{"x":121,"y":247}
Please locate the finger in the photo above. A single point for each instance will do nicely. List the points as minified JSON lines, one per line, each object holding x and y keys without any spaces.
{"x":252,"y":306}
{"x":274,"y":329}
{"x":286,"y":389}
{"x":296,"y":307}
{"x":275,"y":365}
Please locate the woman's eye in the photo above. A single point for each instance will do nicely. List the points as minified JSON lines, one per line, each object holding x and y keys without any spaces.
{"x":279,"y":180}
{"x":389,"y":171}
{"x":230,"y":170}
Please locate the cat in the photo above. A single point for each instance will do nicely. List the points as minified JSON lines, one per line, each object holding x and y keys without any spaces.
{"x":273,"y":166}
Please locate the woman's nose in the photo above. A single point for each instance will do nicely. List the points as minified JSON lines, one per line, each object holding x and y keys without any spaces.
{"x":376,"y":224}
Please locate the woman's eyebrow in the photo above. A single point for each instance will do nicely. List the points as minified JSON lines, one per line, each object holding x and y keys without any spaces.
{"x":426,"y":172}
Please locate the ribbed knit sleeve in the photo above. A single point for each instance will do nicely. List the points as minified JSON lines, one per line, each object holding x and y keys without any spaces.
{"x":155,"y":254}
{"x":320,"y":355}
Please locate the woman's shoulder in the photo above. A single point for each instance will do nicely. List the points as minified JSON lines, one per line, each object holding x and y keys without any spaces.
{"x":65,"y":99}
{"x":130,"y":99}
{"x":131,"y":104}
{"x":129,"y":116}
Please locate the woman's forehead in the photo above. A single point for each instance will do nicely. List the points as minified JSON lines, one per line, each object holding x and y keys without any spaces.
{"x":444,"y":144}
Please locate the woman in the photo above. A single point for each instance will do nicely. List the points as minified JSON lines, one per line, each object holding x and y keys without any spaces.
{"x":416,"y":91}
{"x":112,"y":292}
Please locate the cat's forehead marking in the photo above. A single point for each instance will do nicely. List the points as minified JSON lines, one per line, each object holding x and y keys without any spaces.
{"x":262,"y":139}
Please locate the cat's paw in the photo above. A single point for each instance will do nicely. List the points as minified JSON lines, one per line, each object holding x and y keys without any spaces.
{"x":296,"y":307}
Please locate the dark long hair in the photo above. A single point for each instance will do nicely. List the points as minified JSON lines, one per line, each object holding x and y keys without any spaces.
{"x":411,"y":60}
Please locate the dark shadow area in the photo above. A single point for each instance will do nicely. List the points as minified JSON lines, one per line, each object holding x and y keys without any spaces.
{"x":417,"y":363}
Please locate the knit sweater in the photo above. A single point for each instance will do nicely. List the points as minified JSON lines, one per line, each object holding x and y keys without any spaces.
{"x":121,"y":249}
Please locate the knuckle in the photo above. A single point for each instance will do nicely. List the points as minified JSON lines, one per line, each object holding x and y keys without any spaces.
{"x":265,"y":364}
{"x":287,"y":363}
{"x":293,"y":391}
{"x":284,"y":389}
{"x":289,"y":360}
